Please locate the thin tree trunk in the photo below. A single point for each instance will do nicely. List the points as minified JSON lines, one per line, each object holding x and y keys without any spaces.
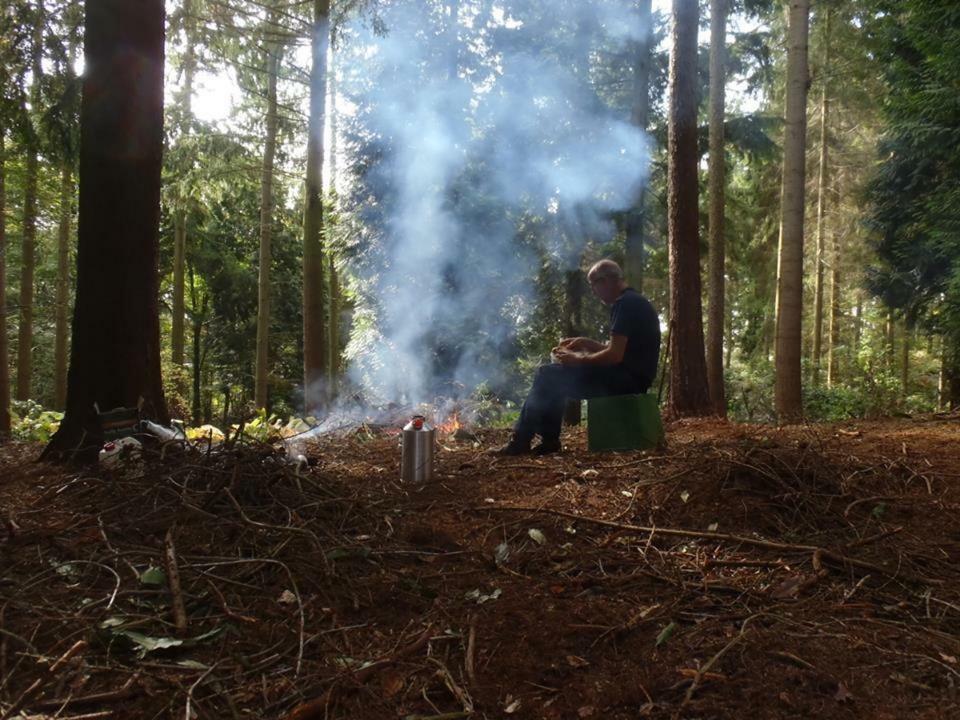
{"x":4,"y":350}
{"x":179,"y":258}
{"x":29,"y":240}
{"x":266,"y":227}
{"x":63,"y":289}
{"x":716,"y":171}
{"x":573,"y":327}
{"x":729,"y":333}
{"x":833,"y":355}
{"x":890,"y":341}
{"x":117,"y":363}
{"x":315,"y":346}
{"x":634,"y":245}
{"x":689,"y":394}
{"x":788,"y":389}
{"x":335,"y":300}
{"x":821,"y":207}
{"x":196,"y":323}
{"x":177,"y":342}
{"x":905,"y":361}
{"x":942,"y":380}
{"x":952,"y":360}
{"x":858,"y":327}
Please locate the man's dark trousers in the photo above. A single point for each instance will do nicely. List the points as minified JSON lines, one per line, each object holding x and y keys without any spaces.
{"x":542,"y":412}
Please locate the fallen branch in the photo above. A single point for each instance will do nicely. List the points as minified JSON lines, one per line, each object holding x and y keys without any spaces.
{"x":96,"y":698}
{"x":37,"y":684}
{"x":703,"y":671}
{"x":468,"y":663}
{"x":721,"y":537}
{"x":316,"y":709}
{"x":173,"y":580}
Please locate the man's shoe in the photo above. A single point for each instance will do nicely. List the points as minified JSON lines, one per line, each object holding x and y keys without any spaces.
{"x":516,"y":446}
{"x":548,"y":447}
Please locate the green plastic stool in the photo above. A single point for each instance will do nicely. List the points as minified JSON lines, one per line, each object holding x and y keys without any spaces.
{"x":623,"y":422}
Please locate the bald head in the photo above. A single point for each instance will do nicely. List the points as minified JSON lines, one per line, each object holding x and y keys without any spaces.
{"x":606,"y":280}
{"x":604,"y":270}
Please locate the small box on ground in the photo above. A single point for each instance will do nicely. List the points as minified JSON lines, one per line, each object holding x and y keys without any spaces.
{"x":623,"y":422}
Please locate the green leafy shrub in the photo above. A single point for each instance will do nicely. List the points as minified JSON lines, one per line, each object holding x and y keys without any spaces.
{"x":29,"y":421}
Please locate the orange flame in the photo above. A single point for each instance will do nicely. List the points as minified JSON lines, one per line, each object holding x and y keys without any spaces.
{"x":450,"y":425}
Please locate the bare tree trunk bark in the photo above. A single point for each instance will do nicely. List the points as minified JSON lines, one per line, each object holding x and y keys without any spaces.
{"x":29,"y":242}
{"x":634,"y":240}
{"x":689,"y":395}
{"x":315,"y":346}
{"x":335,"y":300}
{"x":833,"y":354}
{"x":63,"y":289}
{"x":717,"y":179}
{"x":942,"y":398}
{"x":115,"y":346}
{"x":821,"y":208}
{"x":858,"y":327}
{"x":788,"y":389}
{"x":890,"y":341}
{"x":4,"y":350}
{"x":177,"y":341}
{"x":905,"y":361}
{"x":573,"y":327}
{"x":266,"y":227}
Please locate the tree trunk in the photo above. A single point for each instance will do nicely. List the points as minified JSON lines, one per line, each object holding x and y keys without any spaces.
{"x":716,"y":170}
{"x":315,"y":346}
{"x":821,"y":208}
{"x":266,"y":229}
{"x":29,"y":241}
{"x":63,"y":289}
{"x":942,"y":378}
{"x":905,"y":361}
{"x":331,"y":181}
{"x":177,"y":342}
{"x":197,"y":329}
{"x":858,"y":327}
{"x":951,"y":359}
{"x":890,"y":341}
{"x":689,"y":394}
{"x":115,"y":348}
{"x":573,"y":327}
{"x":788,"y":389}
{"x":833,"y":356}
{"x":634,"y":245}
{"x":4,"y":350}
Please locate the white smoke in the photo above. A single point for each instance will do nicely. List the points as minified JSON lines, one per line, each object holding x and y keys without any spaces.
{"x":473,"y":142}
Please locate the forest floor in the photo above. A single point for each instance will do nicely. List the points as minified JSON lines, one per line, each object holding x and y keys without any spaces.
{"x":743,"y":571}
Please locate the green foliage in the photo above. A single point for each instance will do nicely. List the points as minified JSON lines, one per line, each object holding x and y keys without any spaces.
{"x":30,"y":422}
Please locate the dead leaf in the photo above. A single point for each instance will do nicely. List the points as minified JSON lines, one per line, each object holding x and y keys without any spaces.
{"x":586,"y":711}
{"x":391,"y":683}
{"x":287,"y":598}
{"x":948,"y":658}
{"x":787,"y":589}
{"x":842,"y":693}
{"x":577,"y":662}
{"x":512,"y":705}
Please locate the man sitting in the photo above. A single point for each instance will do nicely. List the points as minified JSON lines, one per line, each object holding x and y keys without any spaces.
{"x":585,"y":368}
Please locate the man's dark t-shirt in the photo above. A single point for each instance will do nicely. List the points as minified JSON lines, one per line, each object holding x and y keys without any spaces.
{"x":632,"y":315}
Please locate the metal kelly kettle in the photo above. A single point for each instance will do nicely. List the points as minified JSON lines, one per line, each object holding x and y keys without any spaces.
{"x":419,"y":439}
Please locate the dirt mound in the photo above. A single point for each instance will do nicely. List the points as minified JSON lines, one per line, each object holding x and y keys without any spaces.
{"x":742,"y":572}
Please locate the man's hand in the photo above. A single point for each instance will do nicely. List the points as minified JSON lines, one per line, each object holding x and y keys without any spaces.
{"x":566,"y":356}
{"x":581,"y":344}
